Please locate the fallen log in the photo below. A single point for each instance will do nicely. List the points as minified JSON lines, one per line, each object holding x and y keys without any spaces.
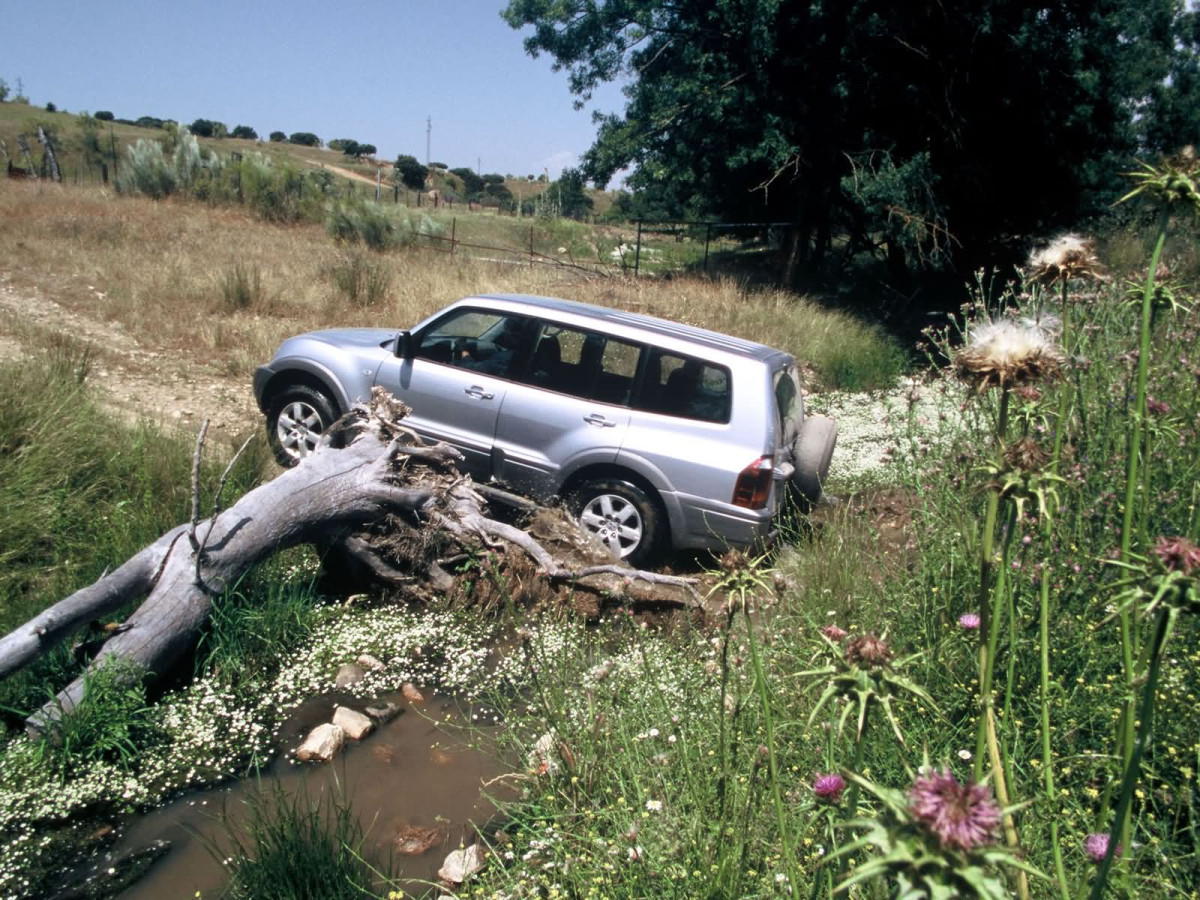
{"x":335,"y":497}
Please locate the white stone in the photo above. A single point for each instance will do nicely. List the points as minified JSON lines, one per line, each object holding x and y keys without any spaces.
{"x":462,"y":864}
{"x":355,"y":724}
{"x":370,"y":663}
{"x":348,"y":674}
{"x":322,"y":743}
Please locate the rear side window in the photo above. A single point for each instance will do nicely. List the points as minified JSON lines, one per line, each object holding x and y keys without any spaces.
{"x":682,"y":386}
{"x":583,"y":363}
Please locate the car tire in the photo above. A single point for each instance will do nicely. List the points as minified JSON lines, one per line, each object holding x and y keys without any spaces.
{"x":623,"y":516}
{"x":812,"y":452}
{"x":299,"y":416}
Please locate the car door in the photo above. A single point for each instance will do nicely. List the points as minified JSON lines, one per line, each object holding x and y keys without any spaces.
{"x":457,"y":380}
{"x":567,"y":409}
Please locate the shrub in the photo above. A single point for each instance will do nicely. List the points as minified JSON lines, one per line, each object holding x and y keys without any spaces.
{"x":241,"y":287}
{"x":357,"y":221}
{"x":146,"y":171}
{"x":245,"y":132}
{"x":3,"y":90}
{"x":50,"y":107}
{"x":104,"y":115}
{"x":361,"y":279}
{"x":304,"y":138}
{"x":149,"y":122}
{"x":277,"y":137}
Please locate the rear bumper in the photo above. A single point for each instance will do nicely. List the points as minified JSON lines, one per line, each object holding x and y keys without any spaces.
{"x":701,"y":523}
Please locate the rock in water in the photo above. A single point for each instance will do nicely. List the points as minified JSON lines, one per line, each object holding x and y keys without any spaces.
{"x":410,"y":692}
{"x":322,"y":743}
{"x":355,"y":724}
{"x":413,"y":840}
{"x":348,"y":674}
{"x":462,"y":864}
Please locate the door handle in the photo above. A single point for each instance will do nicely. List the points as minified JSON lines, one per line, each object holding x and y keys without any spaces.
{"x":597,"y":419}
{"x":478,"y":393}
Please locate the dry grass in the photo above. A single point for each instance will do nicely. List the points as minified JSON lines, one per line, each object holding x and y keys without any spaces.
{"x":162,"y":271}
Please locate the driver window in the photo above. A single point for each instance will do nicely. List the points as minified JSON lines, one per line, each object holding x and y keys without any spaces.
{"x":485,"y":342}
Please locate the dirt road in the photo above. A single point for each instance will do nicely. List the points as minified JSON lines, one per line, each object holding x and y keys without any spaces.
{"x":135,"y":379}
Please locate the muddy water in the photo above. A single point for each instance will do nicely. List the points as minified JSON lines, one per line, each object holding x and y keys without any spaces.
{"x":406,"y":773}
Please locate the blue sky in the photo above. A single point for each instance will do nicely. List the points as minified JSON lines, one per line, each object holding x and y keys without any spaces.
{"x":372,"y":72}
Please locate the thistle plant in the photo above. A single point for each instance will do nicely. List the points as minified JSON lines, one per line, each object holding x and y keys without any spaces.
{"x":865,"y":673}
{"x":1173,"y":185}
{"x":1009,"y":355}
{"x":936,"y":840}
{"x":743,"y":578}
{"x":1164,"y":584}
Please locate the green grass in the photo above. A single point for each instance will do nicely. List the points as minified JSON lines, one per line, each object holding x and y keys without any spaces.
{"x":81,"y":493}
{"x":294,"y":848}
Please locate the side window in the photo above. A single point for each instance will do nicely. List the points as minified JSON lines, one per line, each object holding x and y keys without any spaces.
{"x":681,"y":386}
{"x":583,"y":363}
{"x":487,"y":342}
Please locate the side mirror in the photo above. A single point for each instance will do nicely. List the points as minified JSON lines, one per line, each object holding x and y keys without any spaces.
{"x":405,"y":345}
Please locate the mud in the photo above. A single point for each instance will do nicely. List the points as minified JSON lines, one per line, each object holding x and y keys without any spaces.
{"x":412,"y":783}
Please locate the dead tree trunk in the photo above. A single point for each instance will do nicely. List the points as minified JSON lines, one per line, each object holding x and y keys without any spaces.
{"x":331,"y":495}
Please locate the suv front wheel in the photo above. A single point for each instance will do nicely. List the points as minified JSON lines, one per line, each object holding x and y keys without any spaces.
{"x":298,"y":419}
{"x":622,"y":515}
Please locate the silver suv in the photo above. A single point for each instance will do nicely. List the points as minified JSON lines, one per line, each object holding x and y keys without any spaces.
{"x":656,"y":434}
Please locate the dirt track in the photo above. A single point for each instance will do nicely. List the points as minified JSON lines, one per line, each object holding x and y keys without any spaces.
{"x":136,"y":379}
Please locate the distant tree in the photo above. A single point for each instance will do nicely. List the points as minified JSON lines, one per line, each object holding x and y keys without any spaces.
{"x":410,"y":172}
{"x":493,"y":178}
{"x":3,"y":90}
{"x":340,"y":144}
{"x":496,"y":190}
{"x":304,"y":138}
{"x":542,"y":177}
{"x":149,"y":122}
{"x":881,"y":124}
{"x":241,"y":131}
{"x":277,"y":137}
{"x":103,"y":115}
{"x":442,"y":166}
{"x":208,"y":128}
{"x":573,"y":201}
{"x":50,"y":107}
{"x":366,"y":150}
{"x":473,"y":185}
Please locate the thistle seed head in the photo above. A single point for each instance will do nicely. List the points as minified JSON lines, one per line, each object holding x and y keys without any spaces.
{"x":1067,"y":256}
{"x":1008,"y":354}
{"x":1026,"y":455}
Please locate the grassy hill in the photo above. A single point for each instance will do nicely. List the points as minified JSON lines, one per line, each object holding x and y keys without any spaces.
{"x":114,"y":137}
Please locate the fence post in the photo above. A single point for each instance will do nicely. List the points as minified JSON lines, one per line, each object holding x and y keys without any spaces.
{"x":531,"y":246}
{"x":637,"y":251}
{"x":707,"y":237}
{"x":378,"y":182}
{"x":453,"y":233}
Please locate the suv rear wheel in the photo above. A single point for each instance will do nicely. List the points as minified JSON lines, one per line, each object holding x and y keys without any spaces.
{"x":298,"y":419}
{"x":622,"y":515}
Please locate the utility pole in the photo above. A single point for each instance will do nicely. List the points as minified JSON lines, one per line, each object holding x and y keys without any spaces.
{"x":428,"y":136}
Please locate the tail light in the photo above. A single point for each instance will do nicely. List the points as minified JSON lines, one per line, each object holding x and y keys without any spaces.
{"x":753,"y":488}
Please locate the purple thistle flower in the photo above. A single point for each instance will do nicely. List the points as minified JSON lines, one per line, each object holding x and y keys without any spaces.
{"x":963,"y":816}
{"x":829,"y":787}
{"x":969,"y":620}
{"x":833,"y":632}
{"x":1096,"y":845}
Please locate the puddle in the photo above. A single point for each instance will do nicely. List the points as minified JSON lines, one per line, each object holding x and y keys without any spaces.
{"x":405,"y":777}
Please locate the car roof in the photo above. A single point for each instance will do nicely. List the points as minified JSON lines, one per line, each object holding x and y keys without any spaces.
{"x":663,"y":328}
